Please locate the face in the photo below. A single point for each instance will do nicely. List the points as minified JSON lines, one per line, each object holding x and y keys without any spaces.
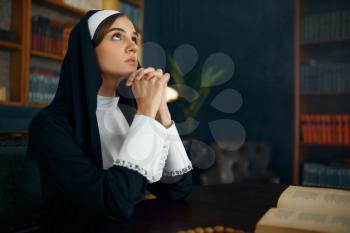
{"x":118,"y":46}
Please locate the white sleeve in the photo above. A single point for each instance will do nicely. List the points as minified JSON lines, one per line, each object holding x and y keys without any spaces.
{"x":177,"y":162}
{"x":145,"y":148}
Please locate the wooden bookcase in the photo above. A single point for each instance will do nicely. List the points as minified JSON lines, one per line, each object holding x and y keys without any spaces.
{"x":21,"y":53}
{"x":313,"y":43}
{"x":17,"y":52}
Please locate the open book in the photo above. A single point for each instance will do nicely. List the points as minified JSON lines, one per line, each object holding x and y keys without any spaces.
{"x":307,"y":210}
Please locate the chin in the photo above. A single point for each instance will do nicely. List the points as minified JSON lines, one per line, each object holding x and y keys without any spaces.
{"x":130,"y":70}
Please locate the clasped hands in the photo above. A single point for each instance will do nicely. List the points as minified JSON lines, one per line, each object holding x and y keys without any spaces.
{"x":149,"y":87}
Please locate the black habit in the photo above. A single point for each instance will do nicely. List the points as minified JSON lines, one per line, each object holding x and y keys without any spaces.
{"x":64,"y":138}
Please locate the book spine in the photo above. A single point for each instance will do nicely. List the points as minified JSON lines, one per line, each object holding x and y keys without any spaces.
{"x":43,"y":85}
{"x":47,"y":35}
{"x":332,"y":25}
{"x":325,"y":128}
{"x":334,"y":176}
{"x":325,"y":77}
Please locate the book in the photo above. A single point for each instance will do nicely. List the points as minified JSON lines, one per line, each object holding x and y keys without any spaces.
{"x":42,"y":84}
{"x":50,"y":35}
{"x":308,"y":210}
{"x":325,"y":26}
{"x":2,"y":93}
{"x":324,"y":77}
{"x":8,"y":35}
{"x":325,"y":129}
{"x":335,"y":174}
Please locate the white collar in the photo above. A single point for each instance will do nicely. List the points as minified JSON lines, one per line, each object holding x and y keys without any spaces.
{"x":107,"y":101}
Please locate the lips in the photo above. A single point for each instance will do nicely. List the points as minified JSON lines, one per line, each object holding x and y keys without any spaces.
{"x":131,"y":60}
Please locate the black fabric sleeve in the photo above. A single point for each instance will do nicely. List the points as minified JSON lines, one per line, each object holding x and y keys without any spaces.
{"x":111,"y":193}
{"x":175,"y":191}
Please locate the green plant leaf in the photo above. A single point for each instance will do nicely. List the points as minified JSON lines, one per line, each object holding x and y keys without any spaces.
{"x":176,"y":73}
{"x":210,"y":76}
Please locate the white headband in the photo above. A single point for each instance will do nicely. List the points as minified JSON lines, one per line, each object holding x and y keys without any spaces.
{"x":97,"y":18}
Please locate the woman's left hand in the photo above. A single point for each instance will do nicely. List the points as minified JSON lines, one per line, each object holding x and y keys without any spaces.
{"x":158,"y":74}
{"x":163,"y":114}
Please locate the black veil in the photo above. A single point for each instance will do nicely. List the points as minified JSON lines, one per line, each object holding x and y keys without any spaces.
{"x":75,"y":101}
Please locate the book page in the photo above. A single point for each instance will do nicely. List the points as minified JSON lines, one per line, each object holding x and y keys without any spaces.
{"x":307,"y":221}
{"x":318,"y":200}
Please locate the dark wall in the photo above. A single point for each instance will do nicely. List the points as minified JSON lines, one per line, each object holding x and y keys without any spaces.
{"x":258,"y":36}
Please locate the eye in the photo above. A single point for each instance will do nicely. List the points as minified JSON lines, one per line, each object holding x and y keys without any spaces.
{"x":135,"y":40}
{"x":117,"y":35}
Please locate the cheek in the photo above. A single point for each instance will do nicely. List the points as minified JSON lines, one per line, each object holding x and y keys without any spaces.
{"x":110,"y":58}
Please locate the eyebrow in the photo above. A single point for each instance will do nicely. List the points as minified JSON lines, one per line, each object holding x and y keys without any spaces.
{"x":122,"y":30}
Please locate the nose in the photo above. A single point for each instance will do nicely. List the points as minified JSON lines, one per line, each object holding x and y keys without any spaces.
{"x":132,"y":46}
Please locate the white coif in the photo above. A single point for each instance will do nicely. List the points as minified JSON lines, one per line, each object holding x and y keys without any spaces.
{"x":97,"y":18}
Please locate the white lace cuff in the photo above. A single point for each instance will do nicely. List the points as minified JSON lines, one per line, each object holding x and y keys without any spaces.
{"x":177,"y":162}
{"x":145,"y":148}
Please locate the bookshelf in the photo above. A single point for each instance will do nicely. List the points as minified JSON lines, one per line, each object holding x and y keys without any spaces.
{"x":322,"y":93}
{"x":18,"y":55}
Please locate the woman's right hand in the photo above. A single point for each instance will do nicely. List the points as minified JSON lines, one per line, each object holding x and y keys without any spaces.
{"x":148,"y":92}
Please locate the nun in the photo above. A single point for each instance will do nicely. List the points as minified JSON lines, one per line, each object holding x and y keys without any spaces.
{"x":107,"y":138}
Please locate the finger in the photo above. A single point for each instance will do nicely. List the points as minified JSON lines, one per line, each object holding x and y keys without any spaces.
{"x":158,"y":73}
{"x":143,"y":72}
{"x":152,"y":78}
{"x":139,"y":74}
{"x":155,"y":81}
{"x":166,"y":78}
{"x":132,"y":76}
{"x":149,"y":75}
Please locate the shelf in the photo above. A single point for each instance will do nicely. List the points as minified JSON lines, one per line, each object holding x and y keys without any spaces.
{"x":325,"y":145}
{"x":37,"y":104}
{"x":325,"y":42}
{"x":11,"y":103}
{"x":48,"y":55}
{"x":18,"y":103}
{"x":61,"y":6}
{"x":327,"y":94}
{"x":10,"y":45}
{"x":136,"y":3}
{"x":324,"y":104}
{"x":12,"y":134}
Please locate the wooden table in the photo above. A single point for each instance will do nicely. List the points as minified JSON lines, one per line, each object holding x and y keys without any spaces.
{"x":235,"y":205}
